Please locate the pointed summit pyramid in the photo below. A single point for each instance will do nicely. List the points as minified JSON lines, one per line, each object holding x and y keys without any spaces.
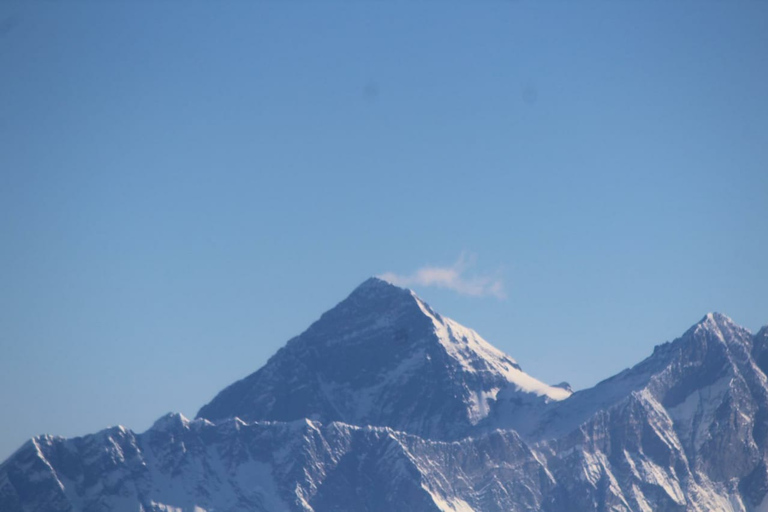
{"x":383,"y":357}
{"x":713,"y":352}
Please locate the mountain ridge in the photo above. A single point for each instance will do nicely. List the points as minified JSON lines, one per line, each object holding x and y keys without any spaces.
{"x":385,"y":405}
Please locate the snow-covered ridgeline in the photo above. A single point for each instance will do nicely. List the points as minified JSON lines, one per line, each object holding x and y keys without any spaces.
{"x":385,"y":405}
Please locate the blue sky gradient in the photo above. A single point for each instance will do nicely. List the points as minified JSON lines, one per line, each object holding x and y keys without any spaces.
{"x":185,"y":186}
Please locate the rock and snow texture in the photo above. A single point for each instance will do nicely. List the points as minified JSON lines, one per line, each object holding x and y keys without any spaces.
{"x":182,"y":465}
{"x":382,"y":357}
{"x":384,"y":405}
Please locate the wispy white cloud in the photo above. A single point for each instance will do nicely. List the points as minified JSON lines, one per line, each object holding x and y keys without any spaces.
{"x":453,"y":277}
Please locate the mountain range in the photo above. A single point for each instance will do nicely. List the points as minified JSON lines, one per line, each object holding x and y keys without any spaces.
{"x":385,"y":405}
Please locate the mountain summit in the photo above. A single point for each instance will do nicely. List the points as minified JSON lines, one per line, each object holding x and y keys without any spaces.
{"x":383,"y":357}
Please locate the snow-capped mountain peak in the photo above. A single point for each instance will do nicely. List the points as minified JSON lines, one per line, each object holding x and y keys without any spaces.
{"x":379,"y":352}
{"x":720,"y":326}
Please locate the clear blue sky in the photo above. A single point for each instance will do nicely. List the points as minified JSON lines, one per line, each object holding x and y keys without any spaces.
{"x":184,"y":186}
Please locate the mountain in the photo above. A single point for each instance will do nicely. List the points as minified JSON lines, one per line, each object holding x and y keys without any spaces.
{"x":385,"y":405}
{"x":685,"y":429}
{"x":383,"y":357}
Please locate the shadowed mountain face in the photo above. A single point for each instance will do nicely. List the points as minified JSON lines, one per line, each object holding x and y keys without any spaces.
{"x":384,"y":405}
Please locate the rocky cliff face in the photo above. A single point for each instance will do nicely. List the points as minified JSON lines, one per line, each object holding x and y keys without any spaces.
{"x":384,"y":405}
